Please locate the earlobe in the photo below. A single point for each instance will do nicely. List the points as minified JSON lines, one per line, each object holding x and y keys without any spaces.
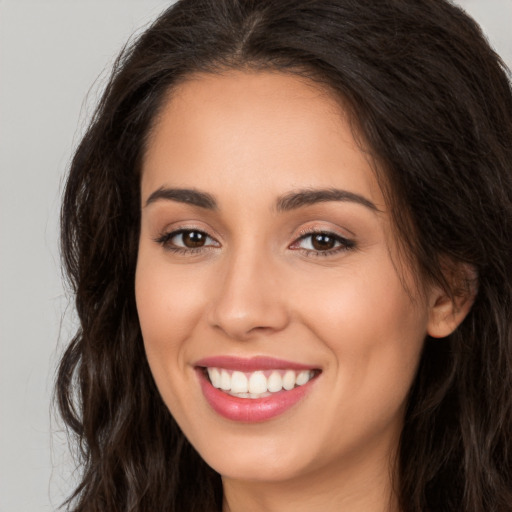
{"x":447,"y":311}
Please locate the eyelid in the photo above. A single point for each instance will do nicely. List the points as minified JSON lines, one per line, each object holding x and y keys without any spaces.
{"x":167,"y":235}
{"x":188,"y":225}
{"x":327,"y":230}
{"x":343,"y":243}
{"x":177,"y":232}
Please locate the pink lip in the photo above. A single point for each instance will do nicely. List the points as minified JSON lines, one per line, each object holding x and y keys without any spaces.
{"x":250,"y":365}
{"x":250,"y":410}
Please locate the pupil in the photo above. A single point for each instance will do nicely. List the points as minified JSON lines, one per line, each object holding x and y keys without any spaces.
{"x":193,"y":239}
{"x":323,"y":242}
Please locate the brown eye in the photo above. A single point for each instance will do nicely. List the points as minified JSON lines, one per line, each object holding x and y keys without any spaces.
{"x":193,"y":239}
{"x":322,"y":242}
{"x":186,"y":240}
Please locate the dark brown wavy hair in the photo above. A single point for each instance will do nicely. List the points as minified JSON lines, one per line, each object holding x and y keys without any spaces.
{"x":433,"y":103}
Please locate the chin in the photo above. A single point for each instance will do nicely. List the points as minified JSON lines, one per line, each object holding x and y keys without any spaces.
{"x":250,"y":465}
{"x":253,"y":452}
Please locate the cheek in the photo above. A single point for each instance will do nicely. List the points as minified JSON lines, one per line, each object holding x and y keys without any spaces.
{"x":168,"y":304}
{"x":368,"y":306}
{"x":375,"y":333}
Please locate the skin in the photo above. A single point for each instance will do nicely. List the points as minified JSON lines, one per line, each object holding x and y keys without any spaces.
{"x":256,"y":288}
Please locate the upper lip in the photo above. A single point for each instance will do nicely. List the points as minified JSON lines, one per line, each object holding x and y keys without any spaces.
{"x":251,"y":364}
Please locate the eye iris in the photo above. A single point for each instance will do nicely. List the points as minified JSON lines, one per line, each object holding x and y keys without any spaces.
{"x":193,"y":239}
{"x":323,"y":242}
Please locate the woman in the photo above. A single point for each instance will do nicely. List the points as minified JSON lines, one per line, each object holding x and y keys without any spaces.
{"x":289,"y":232}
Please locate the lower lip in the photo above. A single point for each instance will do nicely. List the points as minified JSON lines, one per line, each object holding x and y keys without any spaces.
{"x":251,"y":410}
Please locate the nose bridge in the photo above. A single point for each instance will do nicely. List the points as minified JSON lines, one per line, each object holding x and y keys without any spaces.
{"x":248,"y":299}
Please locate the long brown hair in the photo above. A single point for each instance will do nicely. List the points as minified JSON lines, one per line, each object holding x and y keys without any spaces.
{"x":433,"y":103}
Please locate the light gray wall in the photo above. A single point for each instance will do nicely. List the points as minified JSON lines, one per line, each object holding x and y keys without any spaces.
{"x":51,"y":52}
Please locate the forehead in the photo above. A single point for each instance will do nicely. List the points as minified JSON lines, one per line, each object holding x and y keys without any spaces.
{"x":254,"y":131}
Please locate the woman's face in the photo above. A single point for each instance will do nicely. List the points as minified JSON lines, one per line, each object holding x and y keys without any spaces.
{"x":267,"y":258}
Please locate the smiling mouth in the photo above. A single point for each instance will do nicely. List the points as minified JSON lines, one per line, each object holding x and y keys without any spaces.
{"x":259,"y":383}
{"x":256,"y":389}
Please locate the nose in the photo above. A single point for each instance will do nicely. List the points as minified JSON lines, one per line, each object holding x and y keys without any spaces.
{"x":249,"y":302}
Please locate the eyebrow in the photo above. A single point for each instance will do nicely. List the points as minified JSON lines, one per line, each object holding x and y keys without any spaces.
{"x":291,"y":201}
{"x":307,"y":197}
{"x":184,"y":195}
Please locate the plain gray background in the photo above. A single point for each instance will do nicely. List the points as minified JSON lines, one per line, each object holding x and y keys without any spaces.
{"x":51,"y":55}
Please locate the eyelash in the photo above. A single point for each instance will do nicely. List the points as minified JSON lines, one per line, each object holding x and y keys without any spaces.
{"x":344,"y":244}
{"x":165,"y":241}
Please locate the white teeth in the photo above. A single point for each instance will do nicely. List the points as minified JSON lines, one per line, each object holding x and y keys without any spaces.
{"x":256,"y":384}
{"x":214,"y":375}
{"x":225,"y":380}
{"x":289,"y":380}
{"x":239,"y":383}
{"x":249,"y":395}
{"x":275,"y":382}
{"x":302,"y":378}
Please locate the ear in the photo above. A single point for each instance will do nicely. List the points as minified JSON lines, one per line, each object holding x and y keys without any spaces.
{"x":447,"y":309}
